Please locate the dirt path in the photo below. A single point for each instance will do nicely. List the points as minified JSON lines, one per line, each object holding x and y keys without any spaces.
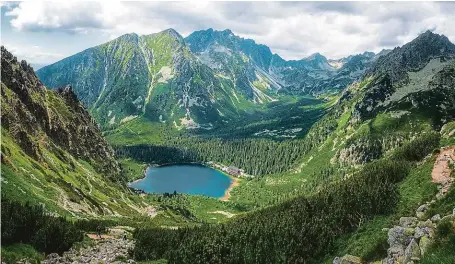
{"x":441,"y":170}
{"x":227,"y":214}
{"x":95,"y":236}
{"x":227,"y":193}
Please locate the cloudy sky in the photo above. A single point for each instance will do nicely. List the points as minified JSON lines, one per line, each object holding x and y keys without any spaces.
{"x":45,"y":32}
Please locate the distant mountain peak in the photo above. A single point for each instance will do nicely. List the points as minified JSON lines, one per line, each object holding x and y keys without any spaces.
{"x":430,"y":36}
{"x":172,"y":32}
{"x":316,"y":56}
{"x":129,"y":37}
{"x":412,"y":56}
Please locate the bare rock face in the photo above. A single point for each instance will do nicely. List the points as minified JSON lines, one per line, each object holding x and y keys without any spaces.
{"x":30,"y":111}
{"x":413,"y":56}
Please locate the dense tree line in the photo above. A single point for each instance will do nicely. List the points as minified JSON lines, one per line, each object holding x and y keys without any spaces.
{"x":30,"y":224}
{"x":300,"y":230}
{"x":255,"y":156}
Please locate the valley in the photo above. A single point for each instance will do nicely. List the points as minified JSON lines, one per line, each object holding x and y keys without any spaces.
{"x":315,"y":157}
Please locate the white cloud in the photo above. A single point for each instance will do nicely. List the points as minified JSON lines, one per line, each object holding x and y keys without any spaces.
{"x":292,"y":29}
{"x":34,"y":54}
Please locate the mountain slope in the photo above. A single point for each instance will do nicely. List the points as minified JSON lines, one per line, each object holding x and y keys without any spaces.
{"x":422,"y":66}
{"x":52,"y":150}
{"x":152,"y":75}
{"x":413,"y":56}
{"x":242,"y":61}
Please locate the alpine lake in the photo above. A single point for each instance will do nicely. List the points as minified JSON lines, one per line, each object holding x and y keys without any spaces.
{"x":184,"y":178}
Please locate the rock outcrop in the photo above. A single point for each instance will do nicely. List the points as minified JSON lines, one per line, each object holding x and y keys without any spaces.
{"x":112,"y":250}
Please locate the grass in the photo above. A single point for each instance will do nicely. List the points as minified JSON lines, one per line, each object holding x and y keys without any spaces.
{"x":56,"y":178}
{"x":447,"y":138}
{"x":141,"y":131}
{"x":14,"y":253}
{"x":133,"y":169}
{"x":443,"y":249}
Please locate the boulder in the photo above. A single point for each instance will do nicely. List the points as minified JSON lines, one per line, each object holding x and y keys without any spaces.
{"x":408,"y":221}
{"x":395,"y":251}
{"x":349,"y":259}
{"x":435,"y":218}
{"x":422,"y":209}
{"x":424,"y":243}
{"x":412,"y":252}
{"x":336,"y":260}
{"x":426,"y":223}
{"x":419,"y":232}
{"x":453,"y":212}
{"x":400,"y":235}
{"x":420,"y":215}
{"x":420,"y":212}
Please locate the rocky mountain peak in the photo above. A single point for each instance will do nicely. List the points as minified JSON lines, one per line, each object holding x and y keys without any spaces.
{"x":68,"y":94}
{"x":173,"y":33}
{"x":432,"y":40}
{"x":129,"y":37}
{"x":413,"y":56}
{"x":316,"y":56}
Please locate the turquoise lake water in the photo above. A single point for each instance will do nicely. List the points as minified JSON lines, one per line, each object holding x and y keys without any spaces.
{"x":184,"y":178}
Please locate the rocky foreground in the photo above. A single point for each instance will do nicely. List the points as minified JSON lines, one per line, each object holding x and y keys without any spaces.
{"x":409,"y":240}
{"x":105,"y":250}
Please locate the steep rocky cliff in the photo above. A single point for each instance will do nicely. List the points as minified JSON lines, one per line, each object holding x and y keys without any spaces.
{"x":52,"y":150}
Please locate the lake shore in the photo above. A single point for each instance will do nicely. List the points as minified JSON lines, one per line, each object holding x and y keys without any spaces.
{"x":227,"y":194}
{"x":235,"y":181}
{"x":148,"y":166}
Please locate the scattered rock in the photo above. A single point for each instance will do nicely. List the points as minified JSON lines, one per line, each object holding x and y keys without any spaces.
{"x":419,"y":232}
{"x":408,"y":221}
{"x":420,"y":213}
{"x":349,"y":259}
{"x":412,"y":252}
{"x":424,"y":243}
{"x":112,"y":250}
{"x":435,"y":218}
{"x":395,"y":251}
{"x":423,"y":208}
{"x":426,"y":223}
{"x":400,"y":235}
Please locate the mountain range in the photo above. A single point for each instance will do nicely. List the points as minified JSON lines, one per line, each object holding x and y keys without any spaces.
{"x":192,"y":82}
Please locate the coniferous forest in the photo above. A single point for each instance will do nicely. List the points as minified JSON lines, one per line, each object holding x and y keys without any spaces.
{"x":296,"y":231}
